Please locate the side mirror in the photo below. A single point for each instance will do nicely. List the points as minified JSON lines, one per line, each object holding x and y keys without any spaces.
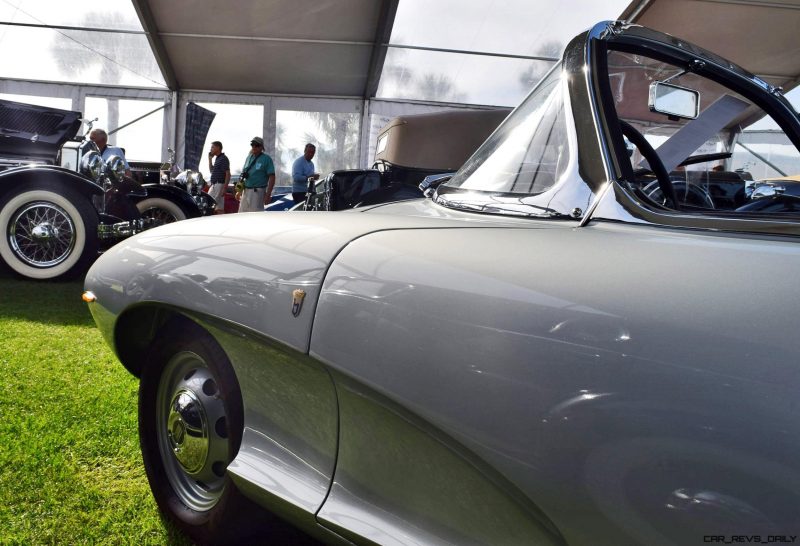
{"x":674,"y":101}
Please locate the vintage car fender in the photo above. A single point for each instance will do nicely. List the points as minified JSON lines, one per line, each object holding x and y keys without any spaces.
{"x":12,"y":178}
{"x":171,"y":193}
{"x":238,"y":285}
{"x":240,"y":279}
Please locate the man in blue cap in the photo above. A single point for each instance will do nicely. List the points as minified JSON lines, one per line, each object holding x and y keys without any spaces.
{"x":258,"y":176}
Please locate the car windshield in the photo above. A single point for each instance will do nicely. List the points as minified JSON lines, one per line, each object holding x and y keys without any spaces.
{"x":528,"y":154}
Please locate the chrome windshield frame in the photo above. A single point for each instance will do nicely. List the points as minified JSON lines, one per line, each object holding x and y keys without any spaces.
{"x":588,"y":173}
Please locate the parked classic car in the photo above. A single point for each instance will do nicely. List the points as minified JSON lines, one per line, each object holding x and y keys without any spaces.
{"x":164,"y":199}
{"x":54,"y":219}
{"x":168,"y":173}
{"x":409,"y":148}
{"x":541,"y":352}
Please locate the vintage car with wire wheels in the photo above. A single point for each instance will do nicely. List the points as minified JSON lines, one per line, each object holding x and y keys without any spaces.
{"x":55,"y":220}
{"x":543,"y":350}
{"x":168,"y":173}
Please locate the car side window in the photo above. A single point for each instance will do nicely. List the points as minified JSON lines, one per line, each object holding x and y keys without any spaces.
{"x":726,"y":157}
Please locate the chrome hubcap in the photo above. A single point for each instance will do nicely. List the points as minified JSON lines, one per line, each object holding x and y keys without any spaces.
{"x":42,"y":234}
{"x":187,"y":431}
{"x":192,"y":431}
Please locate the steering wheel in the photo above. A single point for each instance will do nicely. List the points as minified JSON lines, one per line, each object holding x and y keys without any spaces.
{"x":689,"y":194}
{"x":656,"y":165}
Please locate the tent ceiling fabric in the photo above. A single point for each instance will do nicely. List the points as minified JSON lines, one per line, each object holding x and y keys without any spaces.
{"x":285,"y":68}
{"x":330,"y":47}
{"x":320,"y":47}
{"x":760,"y":36}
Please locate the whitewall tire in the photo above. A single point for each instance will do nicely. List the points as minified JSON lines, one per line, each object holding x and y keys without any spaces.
{"x":49,"y":231}
{"x":163,"y":211}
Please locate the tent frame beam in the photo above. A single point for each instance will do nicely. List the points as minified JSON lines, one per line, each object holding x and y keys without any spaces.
{"x":379,"y":47}
{"x":142,"y":8}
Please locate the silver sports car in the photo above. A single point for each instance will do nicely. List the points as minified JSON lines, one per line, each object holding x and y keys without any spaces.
{"x":585,"y":336}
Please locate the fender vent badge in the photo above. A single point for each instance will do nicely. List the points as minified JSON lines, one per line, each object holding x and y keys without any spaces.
{"x":297,"y":301}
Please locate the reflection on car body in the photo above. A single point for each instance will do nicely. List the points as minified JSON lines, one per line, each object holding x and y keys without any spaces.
{"x":558,"y":345}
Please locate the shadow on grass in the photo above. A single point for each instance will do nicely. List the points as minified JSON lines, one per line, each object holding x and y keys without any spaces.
{"x":174,"y":535}
{"x":48,"y":302}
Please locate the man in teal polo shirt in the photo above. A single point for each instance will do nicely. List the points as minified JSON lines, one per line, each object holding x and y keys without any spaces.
{"x":258,"y":174}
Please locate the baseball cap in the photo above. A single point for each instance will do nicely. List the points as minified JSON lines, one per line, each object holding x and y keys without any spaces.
{"x":257,"y":140}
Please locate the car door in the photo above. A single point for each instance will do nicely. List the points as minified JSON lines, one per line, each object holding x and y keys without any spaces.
{"x":626,"y":378}
{"x":603,"y":385}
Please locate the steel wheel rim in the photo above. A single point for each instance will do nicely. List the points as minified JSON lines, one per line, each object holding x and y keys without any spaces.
{"x":42,"y":234}
{"x":159,"y":216}
{"x":192,"y":441}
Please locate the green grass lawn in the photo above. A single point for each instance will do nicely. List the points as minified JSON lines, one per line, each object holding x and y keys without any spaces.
{"x":70,"y":466}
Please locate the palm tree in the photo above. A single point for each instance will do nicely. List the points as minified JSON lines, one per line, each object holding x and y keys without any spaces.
{"x":117,"y":55}
{"x":340,"y":129}
{"x":537,"y":69}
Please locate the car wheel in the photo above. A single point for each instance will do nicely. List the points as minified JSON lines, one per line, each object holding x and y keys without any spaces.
{"x":162,"y":211}
{"x":48,"y":231}
{"x":190,"y":429}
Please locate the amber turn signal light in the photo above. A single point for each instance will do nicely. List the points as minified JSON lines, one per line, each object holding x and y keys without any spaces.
{"x":88,"y":296}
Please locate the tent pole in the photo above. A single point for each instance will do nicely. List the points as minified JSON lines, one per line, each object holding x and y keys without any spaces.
{"x":174,"y":122}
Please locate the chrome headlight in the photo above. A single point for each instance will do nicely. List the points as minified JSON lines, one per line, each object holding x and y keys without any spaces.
{"x":115,"y":168}
{"x":88,"y":146}
{"x":184,"y":179}
{"x":199,"y":180}
{"x":191,"y":180}
{"x":92,"y":164}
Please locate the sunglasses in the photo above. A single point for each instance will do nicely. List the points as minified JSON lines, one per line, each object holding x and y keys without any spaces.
{"x":256,"y":144}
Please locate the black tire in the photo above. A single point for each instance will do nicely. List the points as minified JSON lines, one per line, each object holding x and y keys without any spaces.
{"x":49,"y":231}
{"x":186,"y":364}
{"x":163,"y":211}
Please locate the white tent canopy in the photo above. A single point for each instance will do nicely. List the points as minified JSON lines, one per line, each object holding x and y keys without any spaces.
{"x":329,"y":71}
{"x":758,"y":35}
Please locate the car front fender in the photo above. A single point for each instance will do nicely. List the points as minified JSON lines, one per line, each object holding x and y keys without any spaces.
{"x":171,"y":193}
{"x":13,"y":178}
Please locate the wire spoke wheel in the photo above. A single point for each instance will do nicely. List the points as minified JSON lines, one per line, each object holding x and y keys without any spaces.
{"x":42,"y":234}
{"x":49,"y":230}
{"x":159,"y":216}
{"x":160,"y":211}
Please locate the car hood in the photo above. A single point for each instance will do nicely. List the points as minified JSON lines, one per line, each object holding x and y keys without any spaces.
{"x":35,"y":132}
{"x":245,"y":268}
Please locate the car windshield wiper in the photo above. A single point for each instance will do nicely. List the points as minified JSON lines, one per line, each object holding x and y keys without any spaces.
{"x":497,"y":208}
